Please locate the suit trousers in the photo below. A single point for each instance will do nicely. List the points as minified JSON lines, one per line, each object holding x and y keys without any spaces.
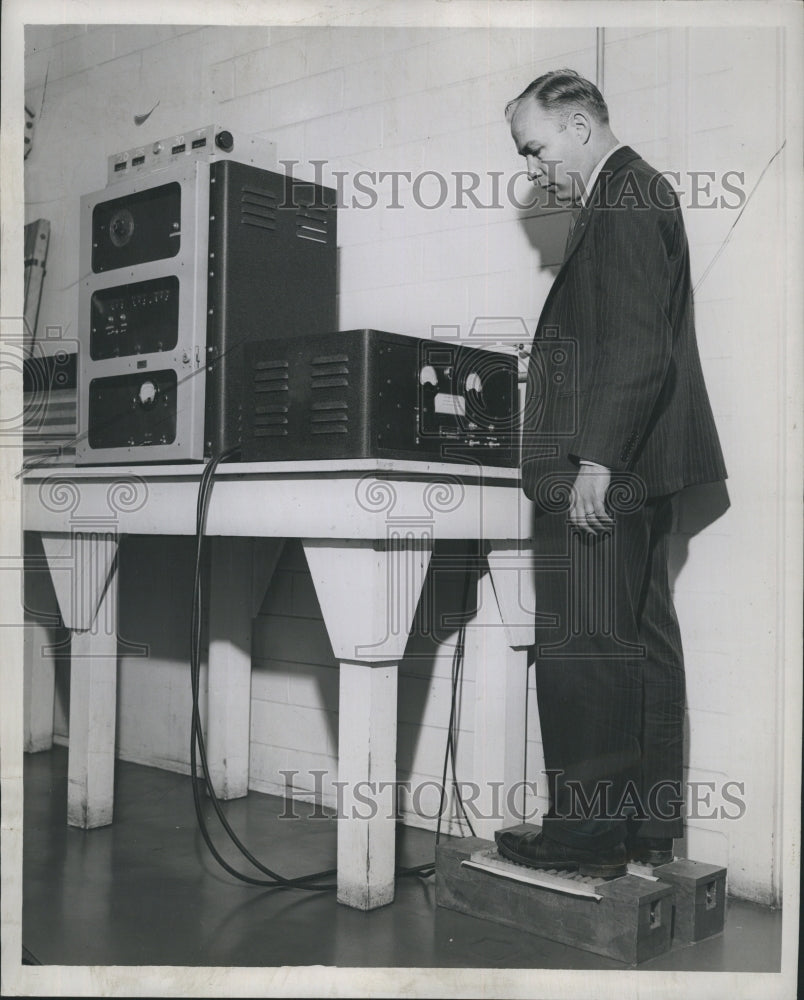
{"x":609,"y":678}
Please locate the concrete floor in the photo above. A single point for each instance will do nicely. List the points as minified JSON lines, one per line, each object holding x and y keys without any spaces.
{"x":145,"y":891}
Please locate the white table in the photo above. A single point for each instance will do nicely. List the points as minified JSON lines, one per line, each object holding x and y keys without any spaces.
{"x":367,"y":530}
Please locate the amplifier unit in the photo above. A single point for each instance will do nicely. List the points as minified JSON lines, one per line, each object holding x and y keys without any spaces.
{"x":188,"y":255}
{"x":370,"y":394}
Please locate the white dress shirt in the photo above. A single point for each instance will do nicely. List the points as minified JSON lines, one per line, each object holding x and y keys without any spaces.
{"x":590,"y":184}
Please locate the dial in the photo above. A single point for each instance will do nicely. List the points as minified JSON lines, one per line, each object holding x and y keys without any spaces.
{"x":121,"y":227}
{"x":473,"y":383}
{"x":147,"y":394}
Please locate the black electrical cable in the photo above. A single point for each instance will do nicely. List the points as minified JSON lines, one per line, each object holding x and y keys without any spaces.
{"x":197,"y":739}
{"x":425,"y":871}
{"x":456,"y":676}
{"x":197,"y":743}
{"x":197,"y":733}
{"x":449,"y":750}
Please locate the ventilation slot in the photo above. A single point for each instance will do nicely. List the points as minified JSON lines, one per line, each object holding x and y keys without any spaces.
{"x":331,"y":359}
{"x":258,"y":208}
{"x":264,"y":432}
{"x":330,"y":418}
{"x":271,"y":420}
{"x":312,"y":223}
{"x":271,"y":376}
{"x":330,"y":371}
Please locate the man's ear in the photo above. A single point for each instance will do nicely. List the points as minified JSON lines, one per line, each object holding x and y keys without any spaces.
{"x":581,"y":126}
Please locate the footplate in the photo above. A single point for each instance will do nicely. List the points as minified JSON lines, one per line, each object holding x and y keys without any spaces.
{"x":570,"y":882}
{"x":626,"y":918}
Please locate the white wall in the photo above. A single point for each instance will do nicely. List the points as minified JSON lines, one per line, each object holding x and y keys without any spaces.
{"x":415,"y":100}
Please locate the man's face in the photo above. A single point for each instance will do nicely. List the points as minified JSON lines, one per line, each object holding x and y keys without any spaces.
{"x":554,"y":154}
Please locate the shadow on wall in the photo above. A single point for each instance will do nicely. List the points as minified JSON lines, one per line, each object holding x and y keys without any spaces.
{"x":449,"y":595}
{"x":294,"y":639}
{"x":695,"y":509}
{"x":546,"y":230}
{"x":43,"y":619}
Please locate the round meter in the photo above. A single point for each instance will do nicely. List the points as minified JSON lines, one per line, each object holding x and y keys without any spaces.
{"x":147,"y":394}
{"x":121,"y":227}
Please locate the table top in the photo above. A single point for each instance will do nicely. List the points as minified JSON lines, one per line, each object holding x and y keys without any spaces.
{"x":328,"y":467}
{"x":337,"y":499}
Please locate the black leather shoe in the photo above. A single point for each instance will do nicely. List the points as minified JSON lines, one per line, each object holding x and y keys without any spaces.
{"x":537,"y":851}
{"x":651,"y":850}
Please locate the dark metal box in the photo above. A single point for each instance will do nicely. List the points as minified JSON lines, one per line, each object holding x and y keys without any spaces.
{"x":372,"y":394}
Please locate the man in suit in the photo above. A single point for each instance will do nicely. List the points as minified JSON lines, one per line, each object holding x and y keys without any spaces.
{"x":617,"y":421}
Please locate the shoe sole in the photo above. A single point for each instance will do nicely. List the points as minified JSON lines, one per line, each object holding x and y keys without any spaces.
{"x":603,"y":871}
{"x":583,"y":868}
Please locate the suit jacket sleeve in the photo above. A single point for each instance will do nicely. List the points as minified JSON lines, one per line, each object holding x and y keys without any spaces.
{"x":633,"y":335}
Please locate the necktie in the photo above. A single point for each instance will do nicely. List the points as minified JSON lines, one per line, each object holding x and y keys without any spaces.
{"x":574,"y":216}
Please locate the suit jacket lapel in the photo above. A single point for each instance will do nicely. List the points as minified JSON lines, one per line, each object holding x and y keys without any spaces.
{"x":618,"y":159}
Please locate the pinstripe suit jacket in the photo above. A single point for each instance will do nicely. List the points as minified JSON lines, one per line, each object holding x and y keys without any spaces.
{"x":614,"y":375}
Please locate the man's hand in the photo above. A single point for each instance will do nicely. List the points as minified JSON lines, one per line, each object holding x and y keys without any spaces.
{"x":588,"y":508}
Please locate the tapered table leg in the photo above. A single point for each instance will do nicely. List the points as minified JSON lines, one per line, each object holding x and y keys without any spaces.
{"x":84,"y":572}
{"x":39,"y":668}
{"x":368,"y":594}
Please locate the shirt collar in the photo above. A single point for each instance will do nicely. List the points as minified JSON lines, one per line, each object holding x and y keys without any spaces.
{"x":590,"y":184}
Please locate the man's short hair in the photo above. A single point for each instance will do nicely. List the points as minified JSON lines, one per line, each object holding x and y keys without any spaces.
{"x":560,"y":90}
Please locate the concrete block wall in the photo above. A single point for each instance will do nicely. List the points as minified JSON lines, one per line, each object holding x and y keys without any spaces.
{"x":424,"y":104}
{"x":726,"y":586}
